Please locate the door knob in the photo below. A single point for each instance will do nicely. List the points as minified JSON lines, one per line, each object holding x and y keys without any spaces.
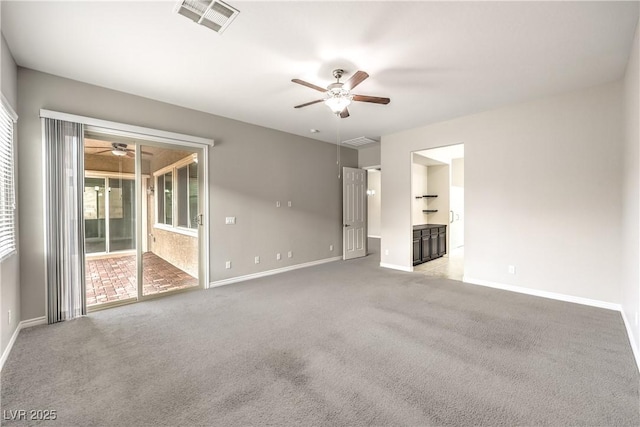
{"x":347,"y":225}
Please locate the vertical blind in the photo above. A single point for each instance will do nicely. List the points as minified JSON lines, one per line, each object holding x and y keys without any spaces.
{"x":64,"y":188}
{"x":7,"y":186}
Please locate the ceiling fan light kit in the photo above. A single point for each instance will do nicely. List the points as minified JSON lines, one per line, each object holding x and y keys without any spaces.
{"x":337,"y":100}
{"x":338,"y":95}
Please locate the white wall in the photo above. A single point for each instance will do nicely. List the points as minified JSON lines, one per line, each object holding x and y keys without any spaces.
{"x":438,"y":184}
{"x":457,"y":172}
{"x":418,"y":188}
{"x":10,"y":267}
{"x":456,"y":204}
{"x":374,"y":203}
{"x":631,"y":212}
{"x":369,"y":156}
{"x":542,"y":192}
{"x":251,"y":168}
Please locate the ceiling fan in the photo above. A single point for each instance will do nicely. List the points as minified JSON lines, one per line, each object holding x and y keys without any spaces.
{"x":338,"y":95}
{"x":120,"y":149}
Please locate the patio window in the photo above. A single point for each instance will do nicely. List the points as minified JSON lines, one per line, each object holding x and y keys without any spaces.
{"x":177,"y":195}
{"x":165,"y":198}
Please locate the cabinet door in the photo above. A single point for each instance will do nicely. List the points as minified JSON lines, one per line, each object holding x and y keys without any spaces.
{"x":442,"y":241}
{"x":434,"y":246}
{"x":426,"y":247}
{"x":417,"y":253}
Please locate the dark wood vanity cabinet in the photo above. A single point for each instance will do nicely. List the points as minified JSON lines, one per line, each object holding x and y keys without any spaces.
{"x":417,"y":248}
{"x":429,"y":242}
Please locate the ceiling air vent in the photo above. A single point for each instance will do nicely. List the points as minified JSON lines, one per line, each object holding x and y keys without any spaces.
{"x":210,"y":13}
{"x":359,"y":142}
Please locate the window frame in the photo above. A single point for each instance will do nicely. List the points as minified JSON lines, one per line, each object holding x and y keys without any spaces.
{"x":8,"y":202}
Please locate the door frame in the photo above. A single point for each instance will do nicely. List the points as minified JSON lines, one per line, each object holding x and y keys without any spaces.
{"x":147,"y":134}
{"x":203,"y":229}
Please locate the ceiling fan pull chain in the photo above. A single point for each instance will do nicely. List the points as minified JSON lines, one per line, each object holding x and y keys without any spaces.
{"x":338,"y":143}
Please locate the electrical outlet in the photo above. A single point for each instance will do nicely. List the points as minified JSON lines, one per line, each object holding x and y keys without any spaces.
{"x":9,"y":316}
{"x":386,"y":251}
{"x":278,"y":256}
{"x":289,"y":203}
{"x":230,"y":220}
{"x":512,"y":269}
{"x":290,"y":254}
{"x":257,"y":260}
{"x":331,"y":247}
{"x":227,"y":264}
{"x":277,"y":204}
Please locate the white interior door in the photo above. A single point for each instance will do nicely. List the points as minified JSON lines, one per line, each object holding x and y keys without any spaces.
{"x":354,"y":213}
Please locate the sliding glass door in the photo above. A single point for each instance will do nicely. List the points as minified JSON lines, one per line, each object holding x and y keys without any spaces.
{"x":109,"y":220}
{"x":109,"y":213}
{"x":171,"y":255}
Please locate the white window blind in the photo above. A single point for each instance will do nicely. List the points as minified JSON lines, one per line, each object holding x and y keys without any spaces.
{"x":7,"y":184}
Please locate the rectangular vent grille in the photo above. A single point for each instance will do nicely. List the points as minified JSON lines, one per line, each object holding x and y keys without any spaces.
{"x":360,"y":141}
{"x":213,"y":14}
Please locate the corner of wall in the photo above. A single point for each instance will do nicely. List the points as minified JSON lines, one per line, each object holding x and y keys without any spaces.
{"x":631,"y":208}
{"x":9,"y":267}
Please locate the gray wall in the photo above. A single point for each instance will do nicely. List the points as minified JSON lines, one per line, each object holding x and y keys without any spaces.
{"x":543,"y":192}
{"x":9,"y":268}
{"x":251,"y":168}
{"x":369,"y":156}
{"x":631,"y":192}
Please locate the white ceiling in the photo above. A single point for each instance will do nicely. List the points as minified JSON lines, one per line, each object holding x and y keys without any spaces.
{"x":435,"y":60}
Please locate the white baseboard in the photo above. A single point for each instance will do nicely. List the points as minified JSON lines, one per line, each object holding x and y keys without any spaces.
{"x":634,"y":345}
{"x":7,"y":350}
{"x":33,"y":322}
{"x":374,"y":237}
{"x":566,"y":298}
{"x":544,"y":294}
{"x":396,"y":267}
{"x":271,"y":272}
{"x":24,"y":324}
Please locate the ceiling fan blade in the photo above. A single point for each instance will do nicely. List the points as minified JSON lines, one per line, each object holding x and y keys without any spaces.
{"x":307,"y":84}
{"x":355,"y":80}
{"x":309,"y":103}
{"x":146,"y":153}
{"x":374,"y":99}
{"x":130,"y":154}
{"x":100,"y":152}
{"x":345,"y":113}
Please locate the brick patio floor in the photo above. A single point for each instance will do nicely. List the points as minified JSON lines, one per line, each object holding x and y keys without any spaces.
{"x":114,"y":278}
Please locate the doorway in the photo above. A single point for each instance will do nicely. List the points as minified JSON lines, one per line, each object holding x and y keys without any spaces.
{"x":437,"y":188}
{"x":143,"y":217}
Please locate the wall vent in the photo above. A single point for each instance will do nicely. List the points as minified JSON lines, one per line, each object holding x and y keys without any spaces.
{"x":360,"y":141}
{"x":213,"y":14}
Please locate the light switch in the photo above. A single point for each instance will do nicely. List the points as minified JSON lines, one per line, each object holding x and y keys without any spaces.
{"x":230,"y":220}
